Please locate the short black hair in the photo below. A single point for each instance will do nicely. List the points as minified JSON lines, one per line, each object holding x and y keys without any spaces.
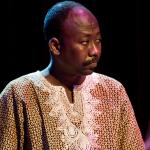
{"x":55,"y":17}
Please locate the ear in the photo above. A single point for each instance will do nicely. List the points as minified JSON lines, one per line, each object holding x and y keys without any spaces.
{"x":54,"y":46}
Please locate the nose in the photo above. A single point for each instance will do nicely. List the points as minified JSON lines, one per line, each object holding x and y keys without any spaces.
{"x":94,"y":49}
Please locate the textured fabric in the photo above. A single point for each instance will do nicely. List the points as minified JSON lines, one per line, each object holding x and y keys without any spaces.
{"x":36,"y":114}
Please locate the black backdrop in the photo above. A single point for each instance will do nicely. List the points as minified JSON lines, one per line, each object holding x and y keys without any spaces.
{"x":123,"y":55}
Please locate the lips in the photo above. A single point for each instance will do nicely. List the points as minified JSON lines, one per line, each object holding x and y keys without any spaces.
{"x":92,"y":61}
{"x":93,"y":64}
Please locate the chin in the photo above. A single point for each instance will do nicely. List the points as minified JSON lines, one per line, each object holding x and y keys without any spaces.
{"x":87,"y":72}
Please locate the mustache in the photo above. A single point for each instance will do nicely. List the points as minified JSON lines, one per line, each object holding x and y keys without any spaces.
{"x":90,"y":61}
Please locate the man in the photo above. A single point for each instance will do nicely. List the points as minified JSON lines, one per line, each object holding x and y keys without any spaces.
{"x":67,"y":106}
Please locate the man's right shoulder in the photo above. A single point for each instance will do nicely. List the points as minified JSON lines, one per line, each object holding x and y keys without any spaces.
{"x":19,"y":83}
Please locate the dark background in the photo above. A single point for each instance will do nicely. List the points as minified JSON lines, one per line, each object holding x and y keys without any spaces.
{"x":123,"y":56}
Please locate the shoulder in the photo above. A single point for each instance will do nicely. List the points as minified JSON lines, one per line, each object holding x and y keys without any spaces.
{"x":106,"y":80}
{"x":109,"y":86}
{"x":21,"y":83}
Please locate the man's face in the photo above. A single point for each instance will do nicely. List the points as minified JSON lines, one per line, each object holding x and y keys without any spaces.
{"x":81,"y":46}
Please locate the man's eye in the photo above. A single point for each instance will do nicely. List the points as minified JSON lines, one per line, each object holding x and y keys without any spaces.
{"x":98,"y":40}
{"x":84,"y":42}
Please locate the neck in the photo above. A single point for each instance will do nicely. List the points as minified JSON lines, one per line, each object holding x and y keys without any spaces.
{"x":67,"y":79}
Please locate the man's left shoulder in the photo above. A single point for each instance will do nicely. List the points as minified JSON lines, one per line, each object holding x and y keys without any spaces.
{"x":106,"y":80}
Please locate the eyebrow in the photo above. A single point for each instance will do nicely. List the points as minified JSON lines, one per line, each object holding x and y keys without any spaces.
{"x":88,"y":35}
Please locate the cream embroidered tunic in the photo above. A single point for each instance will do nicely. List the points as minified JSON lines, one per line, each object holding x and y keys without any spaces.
{"x":36,"y":114}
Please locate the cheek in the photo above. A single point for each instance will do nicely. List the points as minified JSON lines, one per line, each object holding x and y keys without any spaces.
{"x":100,"y":52}
{"x":80,"y":52}
{"x":75,"y":54}
{"x":79,"y":57}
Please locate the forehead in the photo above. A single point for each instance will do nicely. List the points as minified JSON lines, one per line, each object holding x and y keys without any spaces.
{"x":81,"y":20}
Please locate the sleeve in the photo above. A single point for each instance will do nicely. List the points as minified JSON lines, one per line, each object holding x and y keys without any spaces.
{"x":11,"y":120}
{"x":147,"y":138}
{"x":131,"y":138}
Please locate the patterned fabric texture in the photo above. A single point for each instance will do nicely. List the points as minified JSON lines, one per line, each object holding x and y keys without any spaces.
{"x":35,"y":114}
